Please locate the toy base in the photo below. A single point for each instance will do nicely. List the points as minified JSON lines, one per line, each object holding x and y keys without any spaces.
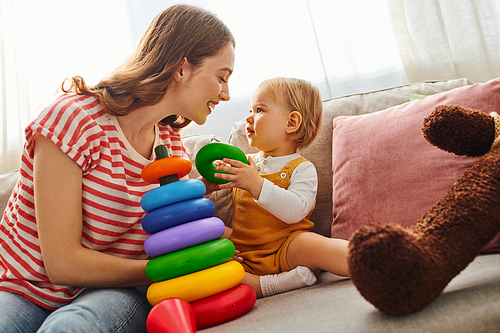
{"x":172,"y":315}
{"x":223,"y":307}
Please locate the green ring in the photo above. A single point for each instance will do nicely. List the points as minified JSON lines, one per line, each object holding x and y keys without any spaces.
{"x":190,"y":260}
{"x":216,"y":151}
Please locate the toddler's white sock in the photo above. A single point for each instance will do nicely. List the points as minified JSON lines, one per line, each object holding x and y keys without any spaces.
{"x":279,"y":283}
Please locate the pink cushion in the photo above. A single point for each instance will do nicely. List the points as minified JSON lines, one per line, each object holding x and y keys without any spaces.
{"x":385,"y":171}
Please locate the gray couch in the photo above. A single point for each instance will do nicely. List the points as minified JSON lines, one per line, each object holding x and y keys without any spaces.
{"x":470,"y":303}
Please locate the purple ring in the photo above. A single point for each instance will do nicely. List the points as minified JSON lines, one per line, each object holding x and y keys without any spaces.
{"x":184,"y":236}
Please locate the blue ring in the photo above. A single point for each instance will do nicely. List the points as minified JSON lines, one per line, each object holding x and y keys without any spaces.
{"x":177,"y":213}
{"x":172,"y":193}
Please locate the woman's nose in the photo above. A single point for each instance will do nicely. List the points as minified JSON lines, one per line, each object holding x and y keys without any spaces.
{"x":224,"y":94}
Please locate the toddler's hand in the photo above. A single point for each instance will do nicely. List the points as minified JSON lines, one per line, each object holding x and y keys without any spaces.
{"x":219,"y":162}
{"x":241,"y":175}
{"x":236,"y":257}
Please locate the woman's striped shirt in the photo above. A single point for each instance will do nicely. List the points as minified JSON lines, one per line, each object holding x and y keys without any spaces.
{"x":112,"y":189}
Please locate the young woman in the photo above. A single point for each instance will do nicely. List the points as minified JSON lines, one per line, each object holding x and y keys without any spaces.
{"x":71,"y":241}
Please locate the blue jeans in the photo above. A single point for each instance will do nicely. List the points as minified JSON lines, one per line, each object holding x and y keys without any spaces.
{"x":95,"y":310}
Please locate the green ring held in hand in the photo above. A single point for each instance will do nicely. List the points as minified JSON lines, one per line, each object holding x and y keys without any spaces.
{"x":190,"y":260}
{"x":213,"y":152}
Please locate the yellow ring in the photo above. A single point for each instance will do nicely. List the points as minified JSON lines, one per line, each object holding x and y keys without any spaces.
{"x":198,"y":285}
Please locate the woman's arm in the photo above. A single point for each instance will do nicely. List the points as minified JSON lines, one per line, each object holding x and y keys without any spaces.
{"x":58,"y":203}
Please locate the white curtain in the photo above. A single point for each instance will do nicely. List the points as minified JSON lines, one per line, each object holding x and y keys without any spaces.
{"x":44,"y":41}
{"x":445,"y":39}
{"x":14,"y":93}
{"x":342,"y":46}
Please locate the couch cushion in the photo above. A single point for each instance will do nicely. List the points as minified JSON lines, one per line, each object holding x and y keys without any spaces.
{"x":468,"y":304}
{"x":7,"y":182}
{"x":385,"y":171}
{"x":320,"y":152}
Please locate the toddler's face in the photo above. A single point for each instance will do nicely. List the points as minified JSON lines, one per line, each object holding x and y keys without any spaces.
{"x":266,"y":124}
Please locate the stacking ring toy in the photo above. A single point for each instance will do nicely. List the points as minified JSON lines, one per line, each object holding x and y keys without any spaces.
{"x":198,"y":285}
{"x":216,"y":151}
{"x":171,"y":315}
{"x":172,"y":193}
{"x":190,"y":260}
{"x":223,"y":307}
{"x":178,"y":213}
{"x":175,"y":165}
{"x":183,"y":236}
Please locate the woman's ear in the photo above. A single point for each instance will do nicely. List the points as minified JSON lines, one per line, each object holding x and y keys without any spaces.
{"x":294,"y":122}
{"x":183,"y":71}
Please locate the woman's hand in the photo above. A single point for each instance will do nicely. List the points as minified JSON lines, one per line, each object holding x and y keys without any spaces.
{"x":241,"y":175}
{"x":211,"y":187}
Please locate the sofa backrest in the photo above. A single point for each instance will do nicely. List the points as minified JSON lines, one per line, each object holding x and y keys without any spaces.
{"x":320,"y":152}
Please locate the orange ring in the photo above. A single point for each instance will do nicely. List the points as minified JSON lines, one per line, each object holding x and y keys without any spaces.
{"x":165,"y":167}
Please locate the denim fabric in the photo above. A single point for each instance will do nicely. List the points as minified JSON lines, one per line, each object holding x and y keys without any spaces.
{"x":18,"y":315}
{"x":95,"y":310}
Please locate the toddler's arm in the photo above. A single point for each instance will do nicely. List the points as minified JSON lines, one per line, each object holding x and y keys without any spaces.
{"x":290,"y":205}
{"x":293,"y":204}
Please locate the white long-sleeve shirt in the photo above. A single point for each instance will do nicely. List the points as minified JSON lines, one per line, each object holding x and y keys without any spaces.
{"x":293,"y":204}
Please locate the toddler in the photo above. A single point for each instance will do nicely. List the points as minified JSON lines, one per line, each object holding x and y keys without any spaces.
{"x":273,"y":196}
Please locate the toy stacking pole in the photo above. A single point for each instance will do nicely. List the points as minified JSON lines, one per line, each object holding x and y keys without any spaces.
{"x":190,"y":262}
{"x":162,"y":152}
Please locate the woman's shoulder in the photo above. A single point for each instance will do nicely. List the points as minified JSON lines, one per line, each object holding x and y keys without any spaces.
{"x":76,"y":123}
{"x":69,"y":116}
{"x":69,"y":106}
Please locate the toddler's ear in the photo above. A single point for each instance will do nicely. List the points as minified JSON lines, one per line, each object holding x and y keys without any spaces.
{"x":294,"y":122}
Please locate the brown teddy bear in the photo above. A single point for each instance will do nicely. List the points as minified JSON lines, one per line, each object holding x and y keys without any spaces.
{"x":402,"y":270}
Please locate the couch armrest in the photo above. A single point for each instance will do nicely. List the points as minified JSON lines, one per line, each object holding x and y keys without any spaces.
{"x":7,"y":182}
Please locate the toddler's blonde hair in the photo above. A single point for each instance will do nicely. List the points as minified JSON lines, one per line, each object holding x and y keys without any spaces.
{"x":302,"y":96}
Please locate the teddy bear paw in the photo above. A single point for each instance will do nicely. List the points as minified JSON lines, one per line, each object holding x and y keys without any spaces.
{"x":391,"y":270}
{"x":459,"y":130}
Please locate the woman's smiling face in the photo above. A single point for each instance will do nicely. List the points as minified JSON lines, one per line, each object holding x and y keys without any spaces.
{"x":207,"y":85}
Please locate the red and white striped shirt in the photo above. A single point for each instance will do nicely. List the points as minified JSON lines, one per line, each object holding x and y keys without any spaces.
{"x":112,"y":190}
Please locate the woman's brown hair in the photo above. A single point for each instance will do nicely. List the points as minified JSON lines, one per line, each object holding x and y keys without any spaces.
{"x":180,"y":31}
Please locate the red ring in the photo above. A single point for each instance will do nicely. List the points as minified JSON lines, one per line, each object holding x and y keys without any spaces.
{"x":165,"y":167}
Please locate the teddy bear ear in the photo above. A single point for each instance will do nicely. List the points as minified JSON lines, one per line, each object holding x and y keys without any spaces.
{"x":459,"y":130}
